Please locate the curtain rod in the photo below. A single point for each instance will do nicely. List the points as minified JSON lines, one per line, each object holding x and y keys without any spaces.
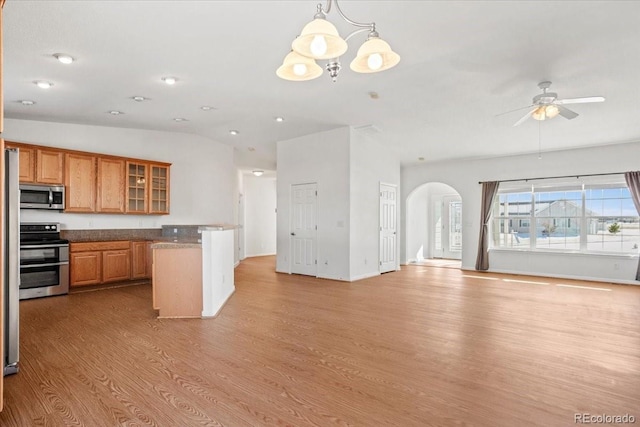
{"x":557,"y":177}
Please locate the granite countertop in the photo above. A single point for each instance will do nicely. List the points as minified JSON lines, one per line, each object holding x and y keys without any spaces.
{"x":175,"y":245}
{"x":105,"y":235}
{"x":217,"y":227}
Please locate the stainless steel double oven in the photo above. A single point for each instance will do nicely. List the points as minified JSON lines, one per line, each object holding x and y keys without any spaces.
{"x":44,"y":261}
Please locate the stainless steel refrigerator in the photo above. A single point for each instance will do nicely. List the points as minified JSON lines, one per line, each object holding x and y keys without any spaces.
{"x":11,"y":280}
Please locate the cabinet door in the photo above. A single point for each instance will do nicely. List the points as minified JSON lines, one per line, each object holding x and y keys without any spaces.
{"x":139,"y":260}
{"x":159,"y":190}
{"x":137,"y":178}
{"x":116,"y":265}
{"x":49,"y":167}
{"x":149,"y":259}
{"x":86,"y":268}
{"x":110,"y":185}
{"x":80,"y":182}
{"x":27,"y":165}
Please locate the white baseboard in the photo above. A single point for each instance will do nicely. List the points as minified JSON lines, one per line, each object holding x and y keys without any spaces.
{"x":365,"y":276}
{"x":563,"y":276}
{"x":256,"y":255}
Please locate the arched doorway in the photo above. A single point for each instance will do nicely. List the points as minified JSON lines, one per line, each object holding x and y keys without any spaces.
{"x":434,"y":224}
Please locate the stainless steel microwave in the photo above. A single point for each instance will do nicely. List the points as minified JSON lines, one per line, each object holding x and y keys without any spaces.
{"x":41,"y":196}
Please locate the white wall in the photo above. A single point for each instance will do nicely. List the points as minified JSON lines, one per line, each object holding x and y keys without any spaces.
{"x":260,"y":215}
{"x":202,"y":172}
{"x":321,"y":158}
{"x":371,"y":163}
{"x":465,"y":175}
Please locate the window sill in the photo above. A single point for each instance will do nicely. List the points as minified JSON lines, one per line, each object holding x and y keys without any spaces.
{"x":567,"y":253}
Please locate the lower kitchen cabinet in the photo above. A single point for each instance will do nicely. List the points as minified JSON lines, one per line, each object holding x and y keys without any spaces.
{"x":86,"y":268}
{"x":139,"y":260}
{"x":94,"y":263}
{"x":116,"y":265}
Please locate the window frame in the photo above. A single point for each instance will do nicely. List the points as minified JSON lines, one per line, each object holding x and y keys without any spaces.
{"x":584,"y":217}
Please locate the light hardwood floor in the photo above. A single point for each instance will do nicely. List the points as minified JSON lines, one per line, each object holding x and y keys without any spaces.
{"x":424,"y":346}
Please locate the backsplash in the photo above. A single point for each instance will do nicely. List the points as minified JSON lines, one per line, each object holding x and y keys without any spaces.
{"x":181,"y":231}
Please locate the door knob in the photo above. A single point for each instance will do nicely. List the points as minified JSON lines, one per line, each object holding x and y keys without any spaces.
{"x":293,"y":234}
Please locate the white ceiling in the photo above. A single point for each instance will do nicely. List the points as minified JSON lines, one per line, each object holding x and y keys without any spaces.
{"x":463,"y":62}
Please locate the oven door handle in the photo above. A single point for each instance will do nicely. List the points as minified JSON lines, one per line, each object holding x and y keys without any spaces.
{"x":61,"y":245}
{"x":51,"y":264}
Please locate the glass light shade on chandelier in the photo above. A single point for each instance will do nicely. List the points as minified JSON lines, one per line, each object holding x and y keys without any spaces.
{"x":374,"y":55}
{"x":298,"y":68}
{"x":545,"y":112}
{"x":319,"y":39}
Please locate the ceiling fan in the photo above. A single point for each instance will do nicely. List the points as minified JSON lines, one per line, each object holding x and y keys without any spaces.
{"x":547,"y":105}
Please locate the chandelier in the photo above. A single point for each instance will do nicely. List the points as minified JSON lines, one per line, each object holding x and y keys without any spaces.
{"x":319,"y":40}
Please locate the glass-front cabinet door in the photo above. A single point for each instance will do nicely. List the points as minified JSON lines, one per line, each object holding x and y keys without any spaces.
{"x":159,"y":189}
{"x":137,"y":177}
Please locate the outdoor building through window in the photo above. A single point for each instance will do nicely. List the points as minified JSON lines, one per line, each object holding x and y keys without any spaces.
{"x":589,"y":214}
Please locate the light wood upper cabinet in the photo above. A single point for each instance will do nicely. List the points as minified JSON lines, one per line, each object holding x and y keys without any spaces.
{"x":96,"y":183}
{"x":27,"y":167}
{"x":137,"y":181}
{"x":49,"y":166}
{"x":40,"y":165}
{"x":80,"y":182}
{"x":159,"y":189}
{"x":111,"y":186}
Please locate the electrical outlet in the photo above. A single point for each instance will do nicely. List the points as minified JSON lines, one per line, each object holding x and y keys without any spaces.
{"x":616,"y":266}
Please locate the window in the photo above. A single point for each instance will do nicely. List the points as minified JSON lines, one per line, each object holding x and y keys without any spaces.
{"x":590,"y":215}
{"x":612,"y":220}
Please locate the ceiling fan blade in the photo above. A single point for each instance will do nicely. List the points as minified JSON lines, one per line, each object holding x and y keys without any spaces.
{"x":579,"y":100}
{"x":566,"y":113}
{"x":525,"y":117}
{"x":512,"y":111}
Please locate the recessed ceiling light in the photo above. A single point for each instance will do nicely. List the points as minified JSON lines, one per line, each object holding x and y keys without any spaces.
{"x":279,"y":119}
{"x":207,"y":108}
{"x":234,"y":132}
{"x":64,"y":58}
{"x":258,"y":173}
{"x":43,"y":85}
{"x":115,"y":112}
{"x":180,"y":119}
{"x":139,"y":98}
{"x":26,"y":102}
{"x":170,"y":80}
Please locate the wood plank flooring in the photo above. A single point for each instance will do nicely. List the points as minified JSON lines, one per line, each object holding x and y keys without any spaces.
{"x":424,"y":346}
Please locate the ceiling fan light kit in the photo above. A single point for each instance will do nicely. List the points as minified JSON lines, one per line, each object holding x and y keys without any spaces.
{"x":547,"y":105}
{"x":320,"y":40}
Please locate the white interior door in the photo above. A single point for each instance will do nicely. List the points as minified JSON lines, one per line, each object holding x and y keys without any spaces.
{"x":388,"y":234}
{"x":452,"y":228}
{"x":303,"y":229}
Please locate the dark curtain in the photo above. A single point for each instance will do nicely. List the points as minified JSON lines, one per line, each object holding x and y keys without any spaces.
{"x":633,"y":182}
{"x":489,"y":191}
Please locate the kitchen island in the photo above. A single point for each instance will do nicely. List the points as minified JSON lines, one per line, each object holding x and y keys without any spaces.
{"x":193,"y":276}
